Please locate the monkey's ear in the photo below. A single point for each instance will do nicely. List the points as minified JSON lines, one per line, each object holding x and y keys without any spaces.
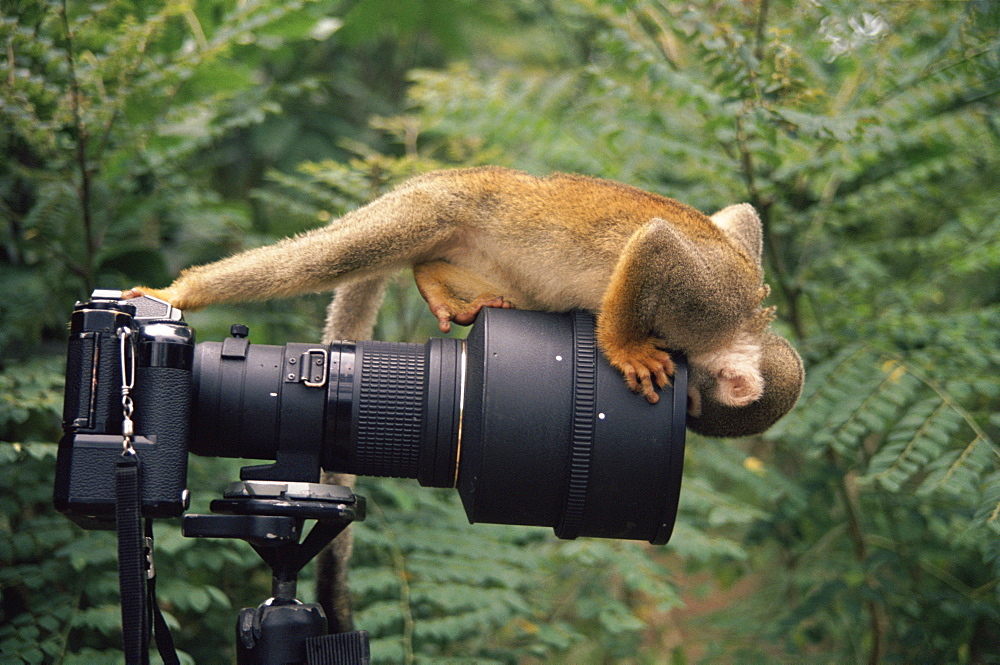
{"x":739,"y":386}
{"x":743,"y":225}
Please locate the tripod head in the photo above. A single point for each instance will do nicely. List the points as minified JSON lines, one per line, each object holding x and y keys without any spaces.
{"x":270,"y":516}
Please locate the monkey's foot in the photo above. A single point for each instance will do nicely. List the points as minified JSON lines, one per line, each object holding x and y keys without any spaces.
{"x":645,"y":366}
{"x":463,"y":312}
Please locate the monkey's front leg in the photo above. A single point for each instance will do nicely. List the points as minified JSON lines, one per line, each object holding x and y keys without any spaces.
{"x":455,"y":294}
{"x":626,"y":322}
{"x":382,"y":237}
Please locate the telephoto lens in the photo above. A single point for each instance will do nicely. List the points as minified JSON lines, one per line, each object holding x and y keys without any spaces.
{"x":525,"y":418}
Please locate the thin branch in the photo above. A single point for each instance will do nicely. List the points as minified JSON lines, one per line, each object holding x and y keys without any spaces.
{"x":758,"y":49}
{"x":763,"y":206}
{"x":931,"y":70}
{"x":748,"y":169}
{"x":11,"y":64}
{"x":199,"y":33}
{"x":876,"y":611}
{"x":83,"y":191}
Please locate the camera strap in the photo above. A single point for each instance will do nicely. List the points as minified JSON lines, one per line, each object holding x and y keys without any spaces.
{"x":131,"y":561}
{"x":136,"y":574}
{"x":164,"y":640}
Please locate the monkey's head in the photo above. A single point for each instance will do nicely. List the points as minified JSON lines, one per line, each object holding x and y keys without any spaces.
{"x":783,"y":376}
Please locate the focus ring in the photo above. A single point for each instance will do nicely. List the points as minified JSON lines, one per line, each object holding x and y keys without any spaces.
{"x":584,"y":399}
{"x":390,"y":409}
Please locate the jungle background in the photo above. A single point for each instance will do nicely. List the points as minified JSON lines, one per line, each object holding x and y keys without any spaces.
{"x":140,"y":137}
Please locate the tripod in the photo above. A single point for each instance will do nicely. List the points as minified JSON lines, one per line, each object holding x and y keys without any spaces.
{"x":269,"y":515}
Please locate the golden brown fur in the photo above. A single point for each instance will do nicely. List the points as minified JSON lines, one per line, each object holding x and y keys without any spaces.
{"x":658,"y":273}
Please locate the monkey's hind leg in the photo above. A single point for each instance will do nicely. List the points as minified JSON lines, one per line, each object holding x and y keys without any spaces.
{"x":354,"y":309}
{"x":455,"y":294}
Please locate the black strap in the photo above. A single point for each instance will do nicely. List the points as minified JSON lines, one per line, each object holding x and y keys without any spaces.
{"x":348,"y":648}
{"x":136,"y":577}
{"x":164,"y":640}
{"x":131,"y":561}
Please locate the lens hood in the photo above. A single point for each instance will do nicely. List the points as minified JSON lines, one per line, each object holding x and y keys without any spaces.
{"x":552,"y":436}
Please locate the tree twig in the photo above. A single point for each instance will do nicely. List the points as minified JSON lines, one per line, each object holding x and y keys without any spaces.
{"x":84,"y":189}
{"x":763,"y":205}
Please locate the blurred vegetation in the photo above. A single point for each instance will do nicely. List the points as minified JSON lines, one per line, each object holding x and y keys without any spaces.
{"x":137,"y":138}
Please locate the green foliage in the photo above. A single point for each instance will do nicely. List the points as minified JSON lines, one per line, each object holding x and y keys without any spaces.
{"x":100,"y":108}
{"x":138,"y":138}
{"x":910,"y":474}
{"x":431,"y":588}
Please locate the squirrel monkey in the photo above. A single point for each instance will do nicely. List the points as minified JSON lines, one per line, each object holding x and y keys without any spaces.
{"x":658,"y":274}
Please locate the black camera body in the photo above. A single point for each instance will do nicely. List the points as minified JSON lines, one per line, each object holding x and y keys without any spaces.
{"x":111,"y":343}
{"x":525,"y":418}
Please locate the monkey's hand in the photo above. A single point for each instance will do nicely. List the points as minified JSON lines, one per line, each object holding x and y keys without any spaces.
{"x":646,"y":366}
{"x":163,"y":294}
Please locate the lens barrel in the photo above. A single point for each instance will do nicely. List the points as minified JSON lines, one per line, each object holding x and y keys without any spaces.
{"x":372,"y":408}
{"x":526,"y":418}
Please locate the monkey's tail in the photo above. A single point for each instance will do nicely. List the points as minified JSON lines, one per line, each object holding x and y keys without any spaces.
{"x":351,"y":315}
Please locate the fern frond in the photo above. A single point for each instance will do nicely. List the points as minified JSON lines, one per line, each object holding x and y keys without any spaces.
{"x":988,"y":511}
{"x":918,"y":438}
{"x":958,"y":470}
{"x":849,"y":398}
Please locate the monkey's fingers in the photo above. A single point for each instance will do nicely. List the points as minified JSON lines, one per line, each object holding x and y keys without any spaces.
{"x":639,"y":380}
{"x":462,"y":312}
{"x":179,"y":298}
{"x":662,"y":366}
{"x":644,"y":366}
{"x":162,"y":294}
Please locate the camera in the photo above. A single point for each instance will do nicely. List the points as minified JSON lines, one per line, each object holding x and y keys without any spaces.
{"x":525,"y":417}
{"x":145,"y":343}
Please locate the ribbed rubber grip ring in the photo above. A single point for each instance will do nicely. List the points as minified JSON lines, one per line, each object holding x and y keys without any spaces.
{"x":390,"y":409}
{"x":584,"y":401}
